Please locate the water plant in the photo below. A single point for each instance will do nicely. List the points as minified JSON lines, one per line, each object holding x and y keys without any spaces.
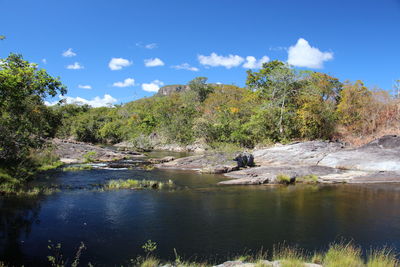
{"x":77,"y":168}
{"x":137,"y":184}
{"x":283,"y":179}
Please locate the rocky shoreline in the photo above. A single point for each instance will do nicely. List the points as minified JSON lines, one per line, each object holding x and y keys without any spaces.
{"x":329,"y":162}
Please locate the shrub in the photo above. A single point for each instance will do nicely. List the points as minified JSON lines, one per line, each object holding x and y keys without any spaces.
{"x":343,"y":254}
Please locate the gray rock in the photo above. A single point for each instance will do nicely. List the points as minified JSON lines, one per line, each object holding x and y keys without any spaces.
{"x":382,"y":154}
{"x":305,"y":153}
{"x":205,"y":163}
{"x":170,"y":89}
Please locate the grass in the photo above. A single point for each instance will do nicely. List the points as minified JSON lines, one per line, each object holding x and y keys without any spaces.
{"x":150,"y":262}
{"x":51,"y":166}
{"x":77,"y":168}
{"x":283,"y":179}
{"x":343,"y":254}
{"x":382,"y":258}
{"x":339,"y":254}
{"x":29,"y":192}
{"x":289,"y":256}
{"x":89,"y":156}
{"x":136,"y":184}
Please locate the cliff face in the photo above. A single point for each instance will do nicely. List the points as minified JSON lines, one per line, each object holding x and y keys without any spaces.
{"x":169,"y":89}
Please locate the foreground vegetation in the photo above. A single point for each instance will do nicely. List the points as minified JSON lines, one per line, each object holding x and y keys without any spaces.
{"x":338,"y":255}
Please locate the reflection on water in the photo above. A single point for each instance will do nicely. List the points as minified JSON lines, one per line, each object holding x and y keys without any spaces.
{"x":199,"y":219}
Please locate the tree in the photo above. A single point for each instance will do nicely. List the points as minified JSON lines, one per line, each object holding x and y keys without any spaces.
{"x":353,"y":106}
{"x":201,"y":88}
{"x":317,"y":102}
{"x":278,"y":85}
{"x":2,"y":37}
{"x":24,"y":119}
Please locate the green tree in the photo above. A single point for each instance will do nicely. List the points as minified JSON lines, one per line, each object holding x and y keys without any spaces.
{"x":316,"y":114}
{"x":278,"y":84}
{"x":24,"y":119}
{"x":201,"y":88}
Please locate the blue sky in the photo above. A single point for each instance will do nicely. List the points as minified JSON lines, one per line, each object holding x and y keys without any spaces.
{"x":182,"y":39}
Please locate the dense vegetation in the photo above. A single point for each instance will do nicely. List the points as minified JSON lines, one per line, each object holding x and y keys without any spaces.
{"x":279,"y":104}
{"x":25,"y":122}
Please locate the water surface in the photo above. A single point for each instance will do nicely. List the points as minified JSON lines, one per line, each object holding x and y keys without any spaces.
{"x":198,"y":218}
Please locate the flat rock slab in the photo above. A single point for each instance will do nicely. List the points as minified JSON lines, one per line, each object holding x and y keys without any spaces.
{"x":304,"y":153}
{"x":268,"y":174}
{"x":206,"y":163}
{"x":74,"y":152}
{"x":367,"y":159}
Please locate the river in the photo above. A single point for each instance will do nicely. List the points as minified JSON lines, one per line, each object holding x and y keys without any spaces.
{"x":198,"y":218}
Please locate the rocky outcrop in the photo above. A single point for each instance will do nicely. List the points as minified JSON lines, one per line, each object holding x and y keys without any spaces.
{"x":376,"y":162}
{"x":75,"y":152}
{"x":301,"y":153}
{"x":170,"y":89}
{"x":210,"y":163}
{"x":381,"y":155}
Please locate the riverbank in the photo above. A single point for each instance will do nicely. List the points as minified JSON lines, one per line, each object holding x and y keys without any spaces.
{"x":304,"y":162}
{"x":331,"y":162}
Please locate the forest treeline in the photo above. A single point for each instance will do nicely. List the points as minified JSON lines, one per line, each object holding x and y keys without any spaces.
{"x":278,"y":104}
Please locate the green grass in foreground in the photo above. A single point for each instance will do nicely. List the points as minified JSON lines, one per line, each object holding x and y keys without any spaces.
{"x":137,"y":184}
{"x":339,"y":254}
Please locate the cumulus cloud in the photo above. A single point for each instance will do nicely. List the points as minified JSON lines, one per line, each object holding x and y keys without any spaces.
{"x":105,"y":101}
{"x":75,"y":66}
{"x":126,"y":83}
{"x":69,"y":53}
{"x":88,"y":87}
{"x":253,"y":63}
{"x":117,"y":63}
{"x":44,"y":61}
{"x":303,"y":55}
{"x":153,"y":86}
{"x":215,"y":60}
{"x":185,"y":66}
{"x":153,"y":62}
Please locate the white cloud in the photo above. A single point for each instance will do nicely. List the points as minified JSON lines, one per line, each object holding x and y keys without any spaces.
{"x":151,"y":46}
{"x":85,"y":86}
{"x":75,"y":66}
{"x":303,"y":55}
{"x":126,"y":83}
{"x":185,"y":66}
{"x":69,"y":53}
{"x":253,"y":63}
{"x":147,"y":46}
{"x":44,"y":61}
{"x":153,"y":86}
{"x":96,"y":102}
{"x":118,"y":63}
{"x":215,"y":60}
{"x":153,"y":62}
